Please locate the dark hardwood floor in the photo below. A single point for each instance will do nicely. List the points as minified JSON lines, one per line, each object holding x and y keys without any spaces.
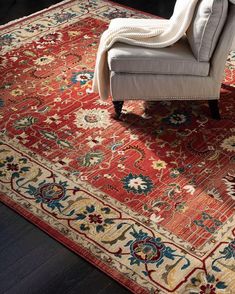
{"x":31,"y":262}
{"x":13,"y":9}
{"x":158,"y":7}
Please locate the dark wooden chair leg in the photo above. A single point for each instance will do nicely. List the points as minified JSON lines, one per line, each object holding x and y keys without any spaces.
{"x":214,"y":108}
{"x":118,"y":108}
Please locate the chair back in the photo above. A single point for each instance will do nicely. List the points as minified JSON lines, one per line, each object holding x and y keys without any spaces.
{"x":223,"y":46}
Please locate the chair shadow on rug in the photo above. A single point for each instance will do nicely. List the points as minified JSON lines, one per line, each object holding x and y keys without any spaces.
{"x":149,"y":117}
{"x":191,"y":69}
{"x":227,"y":90}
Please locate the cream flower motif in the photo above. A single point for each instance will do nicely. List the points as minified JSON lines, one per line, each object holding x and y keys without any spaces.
{"x":121,"y":152}
{"x":3,"y":62}
{"x":23,"y":135}
{"x":92,"y":118}
{"x":128,"y":109}
{"x":24,"y":122}
{"x":53,"y":119}
{"x":108,"y":176}
{"x":159,"y":164}
{"x":74,"y":33}
{"x":121,"y":166}
{"x":94,"y":141}
{"x":229,"y":144}
{"x":17,"y":92}
{"x":57,"y":99}
{"x":101,"y":102}
{"x":45,"y":59}
{"x":82,"y":77}
{"x":189,"y":189}
{"x":50,"y":38}
{"x":23,"y":138}
{"x":91,"y":158}
{"x":94,"y":160}
{"x":178,"y":119}
{"x":134,"y":137}
{"x":62,"y":161}
{"x":156,"y":218}
{"x":137,"y":182}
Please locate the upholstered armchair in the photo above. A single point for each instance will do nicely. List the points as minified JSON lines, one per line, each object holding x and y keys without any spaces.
{"x":191,"y":69}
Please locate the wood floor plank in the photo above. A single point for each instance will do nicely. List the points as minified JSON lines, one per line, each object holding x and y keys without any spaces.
{"x":59,"y":272}
{"x":114,"y":289}
{"x":95,"y":281}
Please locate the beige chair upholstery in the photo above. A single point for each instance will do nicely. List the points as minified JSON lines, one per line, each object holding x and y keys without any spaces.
{"x":178,"y":72}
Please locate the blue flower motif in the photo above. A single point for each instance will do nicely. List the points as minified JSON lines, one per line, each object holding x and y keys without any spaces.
{"x":1,"y":102}
{"x":116,"y":13}
{"x":63,"y":16}
{"x":49,"y":193}
{"x":177,"y":118}
{"x":93,"y":216}
{"x":226,"y":254}
{"x":34,"y":28}
{"x":147,"y":249}
{"x":91,"y":158}
{"x":202,"y":223}
{"x":6,"y":40}
{"x":82,"y":77}
{"x":137,"y":184}
{"x":175,"y":172}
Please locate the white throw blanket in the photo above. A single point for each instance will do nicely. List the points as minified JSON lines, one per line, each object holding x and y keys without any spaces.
{"x":152,"y":33}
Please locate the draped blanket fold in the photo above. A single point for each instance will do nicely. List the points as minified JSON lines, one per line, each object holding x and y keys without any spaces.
{"x":151,"y":33}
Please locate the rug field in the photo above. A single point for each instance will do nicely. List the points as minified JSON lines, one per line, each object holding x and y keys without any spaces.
{"x":149,"y":199}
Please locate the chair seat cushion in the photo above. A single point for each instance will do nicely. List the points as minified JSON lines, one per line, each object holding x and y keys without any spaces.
{"x":177,"y":59}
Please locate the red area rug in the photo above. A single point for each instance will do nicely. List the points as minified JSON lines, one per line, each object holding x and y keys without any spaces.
{"x":149,"y":199}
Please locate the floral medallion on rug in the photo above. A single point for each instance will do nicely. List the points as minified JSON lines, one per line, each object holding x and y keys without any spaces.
{"x":148,"y":199}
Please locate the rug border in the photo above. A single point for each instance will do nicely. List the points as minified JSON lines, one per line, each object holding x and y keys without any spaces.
{"x":15,"y":21}
{"x":39,"y":159}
